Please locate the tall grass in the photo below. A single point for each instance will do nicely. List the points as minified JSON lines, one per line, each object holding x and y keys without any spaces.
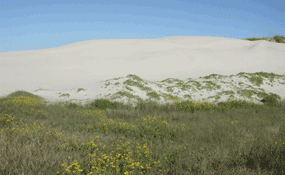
{"x":181,"y":138}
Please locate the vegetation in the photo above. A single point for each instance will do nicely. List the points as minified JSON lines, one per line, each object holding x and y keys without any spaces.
{"x":187,"y":137}
{"x":278,"y":39}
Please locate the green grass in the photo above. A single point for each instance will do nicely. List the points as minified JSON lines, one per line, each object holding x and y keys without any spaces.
{"x":103,"y":137}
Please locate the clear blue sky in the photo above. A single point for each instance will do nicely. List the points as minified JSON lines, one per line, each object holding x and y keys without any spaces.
{"x":40,"y":24}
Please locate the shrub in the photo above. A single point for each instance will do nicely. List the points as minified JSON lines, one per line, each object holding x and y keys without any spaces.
{"x":72,"y":105}
{"x":270,"y":100}
{"x":103,"y":104}
{"x":279,"y":39}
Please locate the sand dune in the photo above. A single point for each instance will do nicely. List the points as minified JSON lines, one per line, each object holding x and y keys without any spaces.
{"x":84,"y":64}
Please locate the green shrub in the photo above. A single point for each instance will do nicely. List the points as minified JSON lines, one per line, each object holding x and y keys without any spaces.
{"x":72,"y":105}
{"x":270,"y":100}
{"x":103,"y":104}
{"x":279,"y":39}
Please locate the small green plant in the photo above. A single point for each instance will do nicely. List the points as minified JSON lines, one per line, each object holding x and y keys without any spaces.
{"x":103,"y":104}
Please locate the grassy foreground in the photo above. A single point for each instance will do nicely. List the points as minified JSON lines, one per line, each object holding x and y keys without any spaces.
{"x":109,"y":138}
{"x":235,"y":137}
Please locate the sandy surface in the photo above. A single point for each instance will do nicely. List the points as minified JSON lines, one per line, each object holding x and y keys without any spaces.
{"x":134,"y":69}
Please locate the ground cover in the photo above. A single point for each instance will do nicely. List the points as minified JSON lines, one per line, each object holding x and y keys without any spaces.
{"x":111,"y":138}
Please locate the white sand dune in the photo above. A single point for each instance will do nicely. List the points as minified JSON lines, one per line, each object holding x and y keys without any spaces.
{"x":84,"y":64}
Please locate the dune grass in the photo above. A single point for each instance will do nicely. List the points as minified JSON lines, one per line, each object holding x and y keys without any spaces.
{"x":107,"y":138}
{"x":278,"y":39}
{"x":187,"y":137}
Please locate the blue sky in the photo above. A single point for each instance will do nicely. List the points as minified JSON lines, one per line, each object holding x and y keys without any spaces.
{"x":40,"y":24}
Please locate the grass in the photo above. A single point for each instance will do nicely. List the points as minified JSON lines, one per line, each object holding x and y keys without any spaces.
{"x":235,"y":137}
{"x":107,"y":138}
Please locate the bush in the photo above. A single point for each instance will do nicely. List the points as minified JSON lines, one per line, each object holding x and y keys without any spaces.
{"x":103,"y":104}
{"x":72,"y":105}
{"x":279,"y":39}
{"x":270,"y":100}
